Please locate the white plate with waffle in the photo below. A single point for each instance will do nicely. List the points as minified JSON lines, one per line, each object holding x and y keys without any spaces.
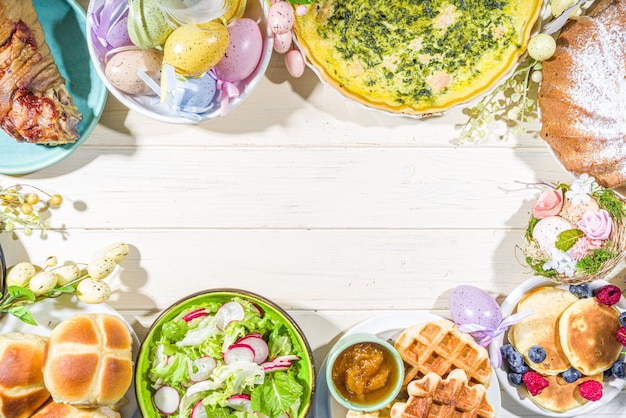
{"x":387,"y":326}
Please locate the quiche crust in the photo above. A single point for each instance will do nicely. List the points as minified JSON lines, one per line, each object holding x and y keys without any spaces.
{"x":415,"y":57}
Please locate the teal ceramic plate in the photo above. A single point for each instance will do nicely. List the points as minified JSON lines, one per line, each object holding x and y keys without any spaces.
{"x":306,"y":373}
{"x":64,"y":26}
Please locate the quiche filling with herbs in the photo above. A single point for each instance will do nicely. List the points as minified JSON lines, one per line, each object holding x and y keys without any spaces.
{"x":415,"y":56}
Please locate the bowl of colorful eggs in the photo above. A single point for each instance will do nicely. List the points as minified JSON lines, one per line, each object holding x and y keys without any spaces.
{"x":177,"y":61}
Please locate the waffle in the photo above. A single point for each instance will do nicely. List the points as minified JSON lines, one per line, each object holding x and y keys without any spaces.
{"x":440,"y":347}
{"x":452,"y":397}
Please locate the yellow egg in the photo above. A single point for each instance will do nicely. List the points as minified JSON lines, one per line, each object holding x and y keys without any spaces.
{"x":234,"y":9}
{"x":193,"y":50}
{"x":559,"y":6}
{"x":541,"y":47}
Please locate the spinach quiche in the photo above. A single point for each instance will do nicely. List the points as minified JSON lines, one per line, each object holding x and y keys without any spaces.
{"x":415,"y":57}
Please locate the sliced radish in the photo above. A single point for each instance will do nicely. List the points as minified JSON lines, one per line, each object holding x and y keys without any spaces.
{"x":290,"y":357}
{"x":257,"y":308}
{"x":229,"y":312}
{"x":239,"y":402}
{"x":166,"y":399}
{"x":199,"y":411}
{"x":239,"y":352}
{"x":276,"y":367}
{"x":261,"y":350}
{"x":197,"y":313}
{"x":201,"y":368}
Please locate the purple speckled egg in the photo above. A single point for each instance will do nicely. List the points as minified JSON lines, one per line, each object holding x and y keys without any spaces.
{"x":472,"y":305}
{"x":242,"y":56}
{"x":281,"y":17}
{"x":118,"y":35}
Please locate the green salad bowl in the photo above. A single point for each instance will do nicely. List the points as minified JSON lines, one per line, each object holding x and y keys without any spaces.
{"x":172,"y":376}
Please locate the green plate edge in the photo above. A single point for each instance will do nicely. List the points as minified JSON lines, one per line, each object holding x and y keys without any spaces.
{"x":143,"y":392}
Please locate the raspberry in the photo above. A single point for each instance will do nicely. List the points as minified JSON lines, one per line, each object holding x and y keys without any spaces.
{"x":621,"y":335}
{"x":591,"y":390}
{"x":609,"y":295}
{"x":535,"y":383}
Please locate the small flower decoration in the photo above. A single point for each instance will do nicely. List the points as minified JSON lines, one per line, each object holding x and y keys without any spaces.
{"x":575,"y":230}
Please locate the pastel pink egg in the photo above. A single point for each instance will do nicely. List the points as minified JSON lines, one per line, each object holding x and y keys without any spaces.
{"x":294,"y":61}
{"x":245,"y":47}
{"x":282,"y":42}
{"x":281,"y":17}
{"x":302,"y":9}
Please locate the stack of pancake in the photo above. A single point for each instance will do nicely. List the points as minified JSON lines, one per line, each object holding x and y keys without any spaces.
{"x":578,"y":333}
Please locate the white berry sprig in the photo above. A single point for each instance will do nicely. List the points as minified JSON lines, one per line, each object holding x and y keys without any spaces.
{"x":27,"y":283}
{"x":25,"y":205}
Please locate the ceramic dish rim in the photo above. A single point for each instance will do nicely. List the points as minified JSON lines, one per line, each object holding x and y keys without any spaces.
{"x":507,"y":307}
{"x":131,"y":103}
{"x":225,"y":291}
{"x":99,"y":99}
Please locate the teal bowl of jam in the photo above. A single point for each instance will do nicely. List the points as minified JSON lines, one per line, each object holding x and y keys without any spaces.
{"x":364,"y":372}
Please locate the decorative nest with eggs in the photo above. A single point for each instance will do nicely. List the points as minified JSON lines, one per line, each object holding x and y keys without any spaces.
{"x":576,"y":232}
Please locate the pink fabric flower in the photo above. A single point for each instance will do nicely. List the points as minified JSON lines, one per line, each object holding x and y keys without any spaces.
{"x":596,"y":224}
{"x":549,"y":203}
{"x":584,"y":245}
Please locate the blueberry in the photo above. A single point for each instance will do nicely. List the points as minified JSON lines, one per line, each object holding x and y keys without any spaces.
{"x":536,"y":354}
{"x":515,"y":359}
{"x":506,"y":351}
{"x":571,"y":375}
{"x":607,"y":373}
{"x":581,"y":290}
{"x":622,"y":318}
{"x":619,"y":369}
{"x":520,"y":369}
{"x":515,"y":378}
{"x":516,"y":363}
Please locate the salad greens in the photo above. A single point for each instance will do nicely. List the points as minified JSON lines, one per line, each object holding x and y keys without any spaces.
{"x":238,"y":388}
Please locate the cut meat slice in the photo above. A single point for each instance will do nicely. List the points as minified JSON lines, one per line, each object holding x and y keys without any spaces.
{"x":35,"y":105}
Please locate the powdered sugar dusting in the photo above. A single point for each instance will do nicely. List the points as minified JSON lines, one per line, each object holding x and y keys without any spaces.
{"x":599,"y":87}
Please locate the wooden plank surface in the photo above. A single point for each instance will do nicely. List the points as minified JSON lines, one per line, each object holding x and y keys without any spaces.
{"x":335,"y":212}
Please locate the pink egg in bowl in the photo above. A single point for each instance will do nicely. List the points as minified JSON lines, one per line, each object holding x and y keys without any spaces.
{"x":133,"y":48}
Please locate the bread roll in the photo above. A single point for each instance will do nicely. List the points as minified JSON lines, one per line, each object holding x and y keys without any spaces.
{"x":88,"y":360}
{"x":59,"y":410}
{"x":22,"y":388}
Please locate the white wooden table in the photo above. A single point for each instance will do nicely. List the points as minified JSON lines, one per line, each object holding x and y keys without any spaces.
{"x":333,"y":211}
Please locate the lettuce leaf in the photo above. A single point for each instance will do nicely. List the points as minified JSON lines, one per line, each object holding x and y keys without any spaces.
{"x":276,"y":395}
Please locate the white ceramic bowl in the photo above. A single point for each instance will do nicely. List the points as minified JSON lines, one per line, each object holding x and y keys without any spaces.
{"x":145,"y":105}
{"x":612,"y":386}
{"x":467,"y":103}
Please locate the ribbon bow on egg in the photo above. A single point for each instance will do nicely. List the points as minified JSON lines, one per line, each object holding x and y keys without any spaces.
{"x":109,"y":26}
{"x":227,"y":89}
{"x":476,"y":312}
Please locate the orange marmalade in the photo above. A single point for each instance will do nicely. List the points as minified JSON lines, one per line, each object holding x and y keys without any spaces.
{"x":364,"y":373}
